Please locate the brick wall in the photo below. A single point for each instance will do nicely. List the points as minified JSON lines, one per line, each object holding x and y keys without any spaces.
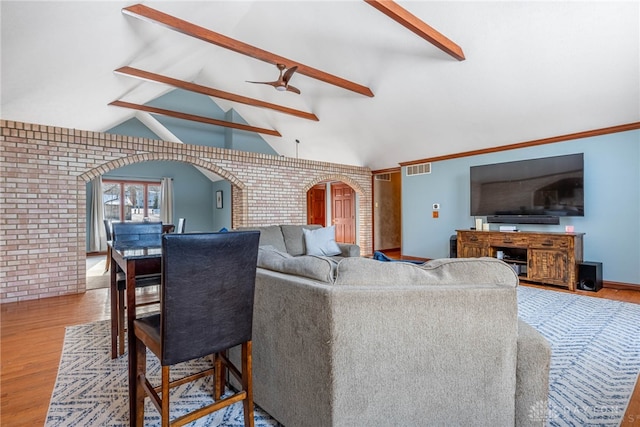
{"x":43,"y":175}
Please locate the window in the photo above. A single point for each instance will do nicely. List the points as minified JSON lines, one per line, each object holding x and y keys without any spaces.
{"x":131,"y":200}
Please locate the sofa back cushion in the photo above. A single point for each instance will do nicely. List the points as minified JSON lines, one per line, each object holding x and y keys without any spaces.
{"x":369,"y":272}
{"x":310,"y":266}
{"x":294,"y":238}
{"x":270,"y":235}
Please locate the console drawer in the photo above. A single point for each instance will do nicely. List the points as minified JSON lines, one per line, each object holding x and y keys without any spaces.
{"x":550,"y":242}
{"x":507,"y":239}
{"x":474,"y":238}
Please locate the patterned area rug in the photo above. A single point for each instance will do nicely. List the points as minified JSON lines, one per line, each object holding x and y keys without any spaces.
{"x":595,"y":354}
{"x":594,"y":367}
{"x":91,"y":388}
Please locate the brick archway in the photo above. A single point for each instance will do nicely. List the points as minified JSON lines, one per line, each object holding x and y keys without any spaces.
{"x":361,"y":214}
{"x":239,"y":200}
{"x":343,"y":178}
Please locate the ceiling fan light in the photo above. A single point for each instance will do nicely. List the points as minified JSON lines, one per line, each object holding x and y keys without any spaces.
{"x":281,"y":88}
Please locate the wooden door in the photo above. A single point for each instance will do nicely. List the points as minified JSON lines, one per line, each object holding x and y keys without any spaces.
{"x":316,"y":205}
{"x":343,"y":205}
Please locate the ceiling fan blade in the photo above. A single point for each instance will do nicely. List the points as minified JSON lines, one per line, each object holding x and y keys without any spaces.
{"x":288,"y":74}
{"x":274,"y":84}
{"x":282,"y":84}
{"x":293,"y":89}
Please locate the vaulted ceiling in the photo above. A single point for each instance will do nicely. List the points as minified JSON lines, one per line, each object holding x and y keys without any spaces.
{"x":533,"y":70}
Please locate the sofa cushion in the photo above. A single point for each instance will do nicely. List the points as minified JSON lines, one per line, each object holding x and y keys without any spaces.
{"x":270,"y":235}
{"x":294,"y":237}
{"x":369,"y":272}
{"x":312,"y":267}
{"x":321,"y":241}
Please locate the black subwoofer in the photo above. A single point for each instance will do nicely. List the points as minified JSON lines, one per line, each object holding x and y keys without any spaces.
{"x":453,"y":246}
{"x":590,"y":276}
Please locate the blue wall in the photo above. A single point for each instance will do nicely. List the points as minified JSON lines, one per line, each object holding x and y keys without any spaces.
{"x":191,"y":132}
{"x":612,"y":202}
{"x":222,"y":217}
{"x":193,"y":192}
{"x":133,"y":127}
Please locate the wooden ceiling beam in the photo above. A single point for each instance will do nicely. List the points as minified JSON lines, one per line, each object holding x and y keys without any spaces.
{"x":204,"y":90}
{"x":413,"y":23}
{"x":146,"y":13}
{"x":194,"y":118}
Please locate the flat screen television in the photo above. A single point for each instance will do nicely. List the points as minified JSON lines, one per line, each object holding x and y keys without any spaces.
{"x":534,"y":191}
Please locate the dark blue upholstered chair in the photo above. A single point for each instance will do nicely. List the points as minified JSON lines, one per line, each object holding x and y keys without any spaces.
{"x":147,"y":273}
{"x":206,"y":307}
{"x":107,"y":230}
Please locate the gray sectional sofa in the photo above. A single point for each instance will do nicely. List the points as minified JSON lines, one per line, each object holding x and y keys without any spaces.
{"x":358,"y":342}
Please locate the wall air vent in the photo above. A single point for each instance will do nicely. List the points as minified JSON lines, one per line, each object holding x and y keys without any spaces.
{"x":419,"y":169}
{"x":383,"y":177}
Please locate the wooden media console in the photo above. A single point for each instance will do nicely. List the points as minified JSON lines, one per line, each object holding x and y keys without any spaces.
{"x":537,"y":257}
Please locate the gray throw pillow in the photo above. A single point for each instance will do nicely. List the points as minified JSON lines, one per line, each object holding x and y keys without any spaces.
{"x":294,"y":238}
{"x":321,"y":241}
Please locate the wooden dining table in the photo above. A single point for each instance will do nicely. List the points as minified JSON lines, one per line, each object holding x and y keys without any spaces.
{"x":129,"y":256}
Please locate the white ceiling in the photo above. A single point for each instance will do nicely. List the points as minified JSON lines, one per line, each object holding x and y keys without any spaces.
{"x":533,"y":70}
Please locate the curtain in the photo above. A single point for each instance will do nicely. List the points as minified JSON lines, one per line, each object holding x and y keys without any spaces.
{"x":97,"y":233}
{"x":166,"y":201}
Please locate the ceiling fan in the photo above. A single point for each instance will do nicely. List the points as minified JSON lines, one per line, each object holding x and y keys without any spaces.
{"x":282,"y":84}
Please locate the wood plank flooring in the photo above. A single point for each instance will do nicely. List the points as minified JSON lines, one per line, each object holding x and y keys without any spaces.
{"x":32,"y":335}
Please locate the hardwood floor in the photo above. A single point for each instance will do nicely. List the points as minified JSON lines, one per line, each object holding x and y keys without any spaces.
{"x":32,"y":338}
{"x":32,"y":335}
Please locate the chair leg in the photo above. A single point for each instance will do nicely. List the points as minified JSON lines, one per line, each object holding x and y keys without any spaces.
{"x":247,"y":384}
{"x":141,"y":370}
{"x":108,"y":262}
{"x":165,"y":396}
{"x":218,"y":377}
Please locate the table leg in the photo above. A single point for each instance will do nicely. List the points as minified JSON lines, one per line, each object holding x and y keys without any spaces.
{"x":114,"y":310}
{"x":121,"y":320}
{"x":131,"y":339}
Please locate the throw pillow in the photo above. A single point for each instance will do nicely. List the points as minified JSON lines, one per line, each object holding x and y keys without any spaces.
{"x":321,"y":241}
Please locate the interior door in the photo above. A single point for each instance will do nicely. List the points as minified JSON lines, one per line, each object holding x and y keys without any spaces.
{"x":316,"y":205}
{"x":343,"y":205}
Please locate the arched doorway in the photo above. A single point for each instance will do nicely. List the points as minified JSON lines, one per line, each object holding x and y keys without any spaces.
{"x":333,"y":203}
{"x":197,"y":202}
